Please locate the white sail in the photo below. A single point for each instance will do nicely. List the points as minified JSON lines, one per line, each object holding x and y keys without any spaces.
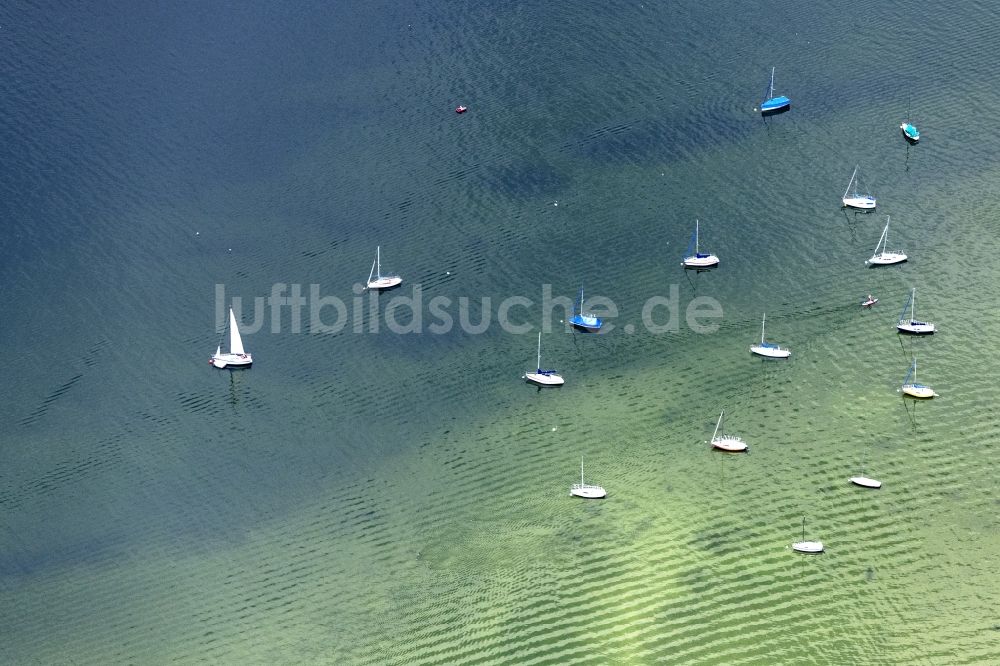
{"x":235,"y":341}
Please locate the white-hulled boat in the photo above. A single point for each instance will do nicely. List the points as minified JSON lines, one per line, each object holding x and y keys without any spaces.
{"x":909,"y":324}
{"x":381,"y":281}
{"x":911,"y":388}
{"x":807,"y":546}
{"x":236,"y":357}
{"x":586,"y":490}
{"x":855,"y":198}
{"x":542,"y":377}
{"x":727,"y":443}
{"x":882,"y":256}
{"x":768,"y":349}
{"x":697,"y":258}
{"x":865,"y":481}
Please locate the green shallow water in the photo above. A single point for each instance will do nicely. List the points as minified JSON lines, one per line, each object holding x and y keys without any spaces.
{"x":384,"y":498}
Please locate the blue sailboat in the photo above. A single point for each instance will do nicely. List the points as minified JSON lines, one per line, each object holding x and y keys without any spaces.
{"x":584,"y":320}
{"x":772,"y":103}
{"x":910,"y":131}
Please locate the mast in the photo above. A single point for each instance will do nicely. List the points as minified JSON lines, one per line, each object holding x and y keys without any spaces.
{"x":581,"y":470}
{"x":913,"y":307}
{"x":717,"y":424}
{"x":371,"y":272}
{"x":770,"y":90}
{"x":763,"y":319}
{"x":852,"y":181}
{"x":539,"y":366}
{"x":803,"y":528}
{"x":378,"y":260}
{"x":696,"y":238}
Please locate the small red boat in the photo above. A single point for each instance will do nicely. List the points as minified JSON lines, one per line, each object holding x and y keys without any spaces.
{"x":461,"y":109}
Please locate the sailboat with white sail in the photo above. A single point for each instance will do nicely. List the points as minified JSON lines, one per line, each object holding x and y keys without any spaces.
{"x":586,"y":490}
{"x":727,"y":443}
{"x":768,"y":349}
{"x":542,"y":377}
{"x":883,"y":256}
{"x":911,"y":388}
{"x":236,"y":357}
{"x":381,"y":281}
{"x":856,"y":198}
{"x":697,"y":258}
{"x":908,"y":323}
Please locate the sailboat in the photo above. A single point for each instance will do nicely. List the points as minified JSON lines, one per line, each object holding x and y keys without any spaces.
{"x":771,"y":103}
{"x":584,"y":320}
{"x":381,"y":281}
{"x":864,"y":481}
{"x":698,"y":259}
{"x":885,"y":257}
{"x":768,"y":349}
{"x":542,"y":377}
{"x":236,"y":357}
{"x":853,"y":198}
{"x":586,"y":490}
{"x":724,"y":442}
{"x":807,"y":546}
{"x":911,"y":388}
{"x":910,"y":324}
{"x":910,"y":131}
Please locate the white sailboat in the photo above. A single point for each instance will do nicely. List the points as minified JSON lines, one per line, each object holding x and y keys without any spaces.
{"x":542,"y":377}
{"x":807,"y":546}
{"x":911,"y":388}
{"x":768,"y":349}
{"x":909,"y":324}
{"x":724,"y":442}
{"x":884,"y":257}
{"x":864,"y":481}
{"x":698,"y":259}
{"x":854,"y":198}
{"x":381,"y":281}
{"x":586,"y":490}
{"x":236,"y":357}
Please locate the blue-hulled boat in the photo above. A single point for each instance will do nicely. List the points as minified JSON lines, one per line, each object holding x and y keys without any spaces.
{"x":584,"y":320}
{"x":772,"y":104}
{"x":910,"y":131}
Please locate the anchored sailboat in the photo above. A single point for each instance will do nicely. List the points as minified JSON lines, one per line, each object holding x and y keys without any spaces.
{"x":542,"y":377}
{"x":236,"y":357}
{"x":884,"y":257}
{"x":768,"y":349}
{"x":910,"y":324}
{"x":585,"y":320}
{"x":381,"y":281}
{"x":724,"y":442}
{"x":698,"y":259}
{"x":911,"y":388}
{"x":864,"y":481}
{"x":586,"y":490}
{"x":807,"y":546}
{"x":853,"y":198}
{"x":773,"y":103}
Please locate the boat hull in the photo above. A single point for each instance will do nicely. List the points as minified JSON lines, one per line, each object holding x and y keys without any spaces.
{"x":775,"y":105}
{"x":911,"y":133}
{"x":916,"y":328}
{"x":541,"y":379}
{"x":729,"y":444}
{"x":770,"y":352}
{"x":586,"y":323}
{"x":808,"y":546}
{"x":701,"y":262}
{"x":231,"y":360}
{"x":887,"y":259}
{"x":859,"y":203}
{"x":918,"y":391}
{"x":865,"y":482}
{"x":385,"y":282}
{"x":587,"y":491}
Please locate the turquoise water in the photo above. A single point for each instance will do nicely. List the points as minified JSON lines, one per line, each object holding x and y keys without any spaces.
{"x":384,"y":498}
